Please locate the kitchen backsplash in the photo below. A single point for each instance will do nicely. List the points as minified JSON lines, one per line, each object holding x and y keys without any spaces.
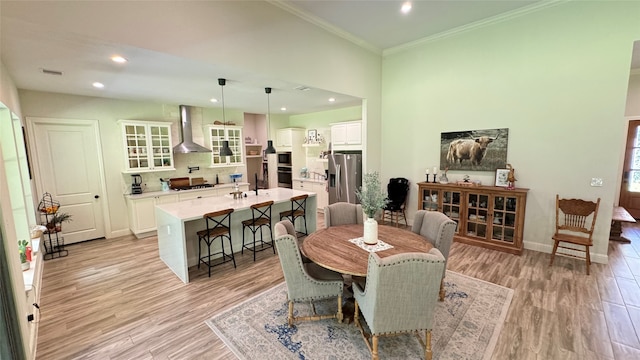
{"x":182,"y":164}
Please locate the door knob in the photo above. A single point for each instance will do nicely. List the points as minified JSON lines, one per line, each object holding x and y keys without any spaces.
{"x":96,"y":196}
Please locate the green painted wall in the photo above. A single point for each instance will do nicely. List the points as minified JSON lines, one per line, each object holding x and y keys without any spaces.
{"x":557,"y":78}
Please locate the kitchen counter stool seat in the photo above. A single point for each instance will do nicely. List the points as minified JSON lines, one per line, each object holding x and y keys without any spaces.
{"x":218,"y":225}
{"x":260,"y":217}
{"x":298,"y":210}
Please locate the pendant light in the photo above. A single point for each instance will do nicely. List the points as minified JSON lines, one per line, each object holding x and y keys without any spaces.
{"x":226,"y":150}
{"x":270,"y":149}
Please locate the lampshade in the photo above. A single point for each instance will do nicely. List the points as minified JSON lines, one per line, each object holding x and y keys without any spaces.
{"x":226,"y":150}
{"x":270,"y":149}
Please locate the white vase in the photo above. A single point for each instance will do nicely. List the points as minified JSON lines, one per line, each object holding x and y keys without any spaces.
{"x":370,"y":231}
{"x":25,"y":265}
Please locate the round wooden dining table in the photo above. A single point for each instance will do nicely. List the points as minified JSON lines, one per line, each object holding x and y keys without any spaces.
{"x":331,"y":249}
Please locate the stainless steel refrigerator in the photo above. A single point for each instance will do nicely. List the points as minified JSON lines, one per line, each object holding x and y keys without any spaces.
{"x":345,"y":176}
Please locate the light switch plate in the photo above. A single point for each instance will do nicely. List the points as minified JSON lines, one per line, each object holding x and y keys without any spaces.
{"x":596,"y":181}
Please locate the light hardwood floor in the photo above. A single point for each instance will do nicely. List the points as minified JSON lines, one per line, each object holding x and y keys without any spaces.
{"x":115,"y":299}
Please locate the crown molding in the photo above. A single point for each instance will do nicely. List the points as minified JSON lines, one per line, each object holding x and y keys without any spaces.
{"x":474,"y":25}
{"x":326,"y":26}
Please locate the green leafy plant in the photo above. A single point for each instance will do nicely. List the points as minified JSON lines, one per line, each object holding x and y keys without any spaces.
{"x":22,"y":249}
{"x":57,"y":219}
{"x":371,"y":196}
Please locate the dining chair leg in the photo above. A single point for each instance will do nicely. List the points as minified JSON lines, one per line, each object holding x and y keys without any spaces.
{"x":588,"y":258}
{"x":374,"y":347}
{"x":553,"y":252}
{"x":441,"y":295}
{"x":428,"y":353}
{"x":290,"y":316}
{"x":339,"y":315}
{"x":355,"y":314}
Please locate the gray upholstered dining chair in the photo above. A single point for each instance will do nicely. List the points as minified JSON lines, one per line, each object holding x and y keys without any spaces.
{"x":343,"y":213}
{"x":438,"y":229}
{"x":305,"y":281}
{"x":400,"y":296}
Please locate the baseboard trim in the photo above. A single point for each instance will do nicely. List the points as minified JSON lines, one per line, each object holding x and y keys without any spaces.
{"x":547,"y":248}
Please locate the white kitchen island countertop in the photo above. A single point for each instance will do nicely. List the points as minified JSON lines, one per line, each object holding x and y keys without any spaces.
{"x":178,"y":223}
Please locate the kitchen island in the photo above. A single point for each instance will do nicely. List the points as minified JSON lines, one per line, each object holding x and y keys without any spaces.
{"x":178,"y":223}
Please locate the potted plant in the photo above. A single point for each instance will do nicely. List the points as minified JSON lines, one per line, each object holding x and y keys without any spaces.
{"x":55,"y":224}
{"x":372,"y":199}
{"x":22,"y":249}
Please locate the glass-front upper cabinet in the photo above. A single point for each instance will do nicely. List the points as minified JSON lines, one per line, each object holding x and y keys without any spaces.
{"x":147,"y":146}
{"x":233,"y":134}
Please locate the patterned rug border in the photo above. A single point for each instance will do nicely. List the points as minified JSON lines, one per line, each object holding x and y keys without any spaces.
{"x":488,"y":351}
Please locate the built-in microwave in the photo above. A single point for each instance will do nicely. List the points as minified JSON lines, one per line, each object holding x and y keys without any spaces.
{"x":284,"y":158}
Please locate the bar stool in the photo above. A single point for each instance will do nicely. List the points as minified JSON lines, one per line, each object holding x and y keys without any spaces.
{"x":298,"y":210}
{"x":260,"y":216}
{"x":218,"y":225}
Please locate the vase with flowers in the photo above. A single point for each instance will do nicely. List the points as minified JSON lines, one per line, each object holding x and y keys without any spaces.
{"x":372,"y":199}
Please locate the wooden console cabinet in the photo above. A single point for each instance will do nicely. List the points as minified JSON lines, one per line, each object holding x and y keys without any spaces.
{"x":487,"y":216}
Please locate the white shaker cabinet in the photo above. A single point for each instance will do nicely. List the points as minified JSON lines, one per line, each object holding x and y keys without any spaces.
{"x":233,"y":134}
{"x":289,"y":139}
{"x":147,"y":146}
{"x":142,"y":219}
{"x":347,"y":135}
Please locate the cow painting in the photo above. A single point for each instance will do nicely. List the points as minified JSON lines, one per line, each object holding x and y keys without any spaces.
{"x":480,"y":150}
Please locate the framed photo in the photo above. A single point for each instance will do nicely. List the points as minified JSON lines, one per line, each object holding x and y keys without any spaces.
{"x":501,"y":177}
{"x":312,"y":135}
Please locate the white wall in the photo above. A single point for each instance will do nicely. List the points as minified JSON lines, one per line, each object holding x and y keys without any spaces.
{"x":9,"y":98}
{"x":557,"y":78}
{"x":633,"y":96}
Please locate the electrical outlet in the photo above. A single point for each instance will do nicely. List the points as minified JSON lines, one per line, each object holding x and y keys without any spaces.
{"x":168,"y":230}
{"x":596,"y":181}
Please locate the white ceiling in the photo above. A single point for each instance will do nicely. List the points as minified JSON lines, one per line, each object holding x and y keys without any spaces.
{"x":54,"y":35}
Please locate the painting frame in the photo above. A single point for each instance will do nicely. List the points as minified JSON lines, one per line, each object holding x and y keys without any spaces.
{"x":312,"y":135}
{"x":474,"y":150}
{"x":501,"y":177}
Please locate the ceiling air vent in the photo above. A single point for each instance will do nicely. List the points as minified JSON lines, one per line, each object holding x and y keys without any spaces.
{"x":51,"y":72}
{"x":302,"y":88}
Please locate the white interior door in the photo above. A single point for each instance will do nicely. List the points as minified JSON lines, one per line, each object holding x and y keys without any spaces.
{"x":68,"y":163}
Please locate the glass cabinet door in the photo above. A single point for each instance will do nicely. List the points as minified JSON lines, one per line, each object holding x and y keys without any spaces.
{"x":430,"y":199}
{"x":216,"y":136}
{"x":477,"y":210}
{"x":136,"y":140}
{"x":504,"y":218}
{"x":147,"y":146}
{"x":161,"y":150}
{"x":235,"y":143}
{"x":451,"y":201}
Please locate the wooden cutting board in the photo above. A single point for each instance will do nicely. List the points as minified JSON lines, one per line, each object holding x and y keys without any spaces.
{"x":198,"y":181}
{"x":179,"y":182}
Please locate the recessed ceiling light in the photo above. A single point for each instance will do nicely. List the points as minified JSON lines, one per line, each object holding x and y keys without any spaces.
{"x":214,"y":100}
{"x":283,"y":108}
{"x":98,"y":85}
{"x":332,"y":99}
{"x":406,"y":7}
{"x":119,"y":59}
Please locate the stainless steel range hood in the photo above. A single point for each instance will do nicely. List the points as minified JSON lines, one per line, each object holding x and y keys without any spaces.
{"x":187,"y":145}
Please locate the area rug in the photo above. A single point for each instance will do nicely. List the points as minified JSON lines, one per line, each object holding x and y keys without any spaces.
{"x":467,"y":326}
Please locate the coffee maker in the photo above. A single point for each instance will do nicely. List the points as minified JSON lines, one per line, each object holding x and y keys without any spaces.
{"x":136,"y":185}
